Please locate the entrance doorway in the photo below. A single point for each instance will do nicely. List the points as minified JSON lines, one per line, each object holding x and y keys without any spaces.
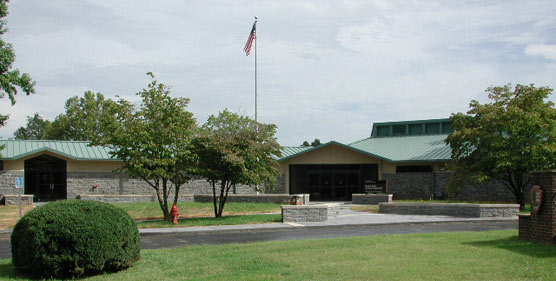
{"x":333,"y":186}
{"x":45,"y":178}
{"x":331,"y":182}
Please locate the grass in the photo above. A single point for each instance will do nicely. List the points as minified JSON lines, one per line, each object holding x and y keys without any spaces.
{"x":151,"y":210}
{"x":229,"y":220}
{"x":365,"y":208}
{"x":492,"y":255}
{"x":191,"y":214}
{"x":9,"y":215}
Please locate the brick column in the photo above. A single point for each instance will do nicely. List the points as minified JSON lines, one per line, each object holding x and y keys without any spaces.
{"x":541,"y":226}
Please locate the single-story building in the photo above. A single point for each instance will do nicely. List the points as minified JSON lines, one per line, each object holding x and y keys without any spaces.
{"x":410,"y":155}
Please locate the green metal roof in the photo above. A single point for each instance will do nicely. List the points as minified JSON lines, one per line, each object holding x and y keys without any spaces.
{"x":424,"y":148}
{"x":288,"y":151}
{"x":309,"y":149}
{"x":78,"y":150}
{"x":407,"y":148}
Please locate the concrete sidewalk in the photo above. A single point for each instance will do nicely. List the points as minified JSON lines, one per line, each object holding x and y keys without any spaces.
{"x":346,"y":217}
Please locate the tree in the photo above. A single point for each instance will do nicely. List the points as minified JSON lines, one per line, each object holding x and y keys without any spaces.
{"x":153,"y":141}
{"x":315,"y":143}
{"x":234,"y":149}
{"x":86,"y":118}
{"x":507,"y":138}
{"x":34,"y":130}
{"x":10,"y":79}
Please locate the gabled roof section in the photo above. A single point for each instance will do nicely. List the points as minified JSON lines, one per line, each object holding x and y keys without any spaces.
{"x":288,"y":151}
{"x":78,"y":150}
{"x":425,"y":148}
{"x":309,"y":149}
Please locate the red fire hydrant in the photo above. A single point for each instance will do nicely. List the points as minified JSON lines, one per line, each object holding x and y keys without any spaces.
{"x":175,"y":214}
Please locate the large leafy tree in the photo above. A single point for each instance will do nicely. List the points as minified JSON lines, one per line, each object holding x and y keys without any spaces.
{"x":86,"y":118}
{"x":11,"y":80}
{"x":35,"y":129}
{"x":153,"y":140}
{"x":507,"y":138}
{"x":234,"y":149}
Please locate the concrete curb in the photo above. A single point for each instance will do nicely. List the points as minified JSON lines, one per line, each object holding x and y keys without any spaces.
{"x":273,"y":226}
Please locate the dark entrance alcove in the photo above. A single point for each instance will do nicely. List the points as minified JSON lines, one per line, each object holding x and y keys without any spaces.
{"x":331,"y":182}
{"x":45,"y":178}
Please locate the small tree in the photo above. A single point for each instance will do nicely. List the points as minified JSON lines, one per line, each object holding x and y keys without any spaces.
{"x":315,"y":143}
{"x":234,"y":149}
{"x":507,"y":138}
{"x":35,"y":129}
{"x":153,"y":141}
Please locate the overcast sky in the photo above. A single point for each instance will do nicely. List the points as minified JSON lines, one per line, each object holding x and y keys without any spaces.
{"x":327,"y":69}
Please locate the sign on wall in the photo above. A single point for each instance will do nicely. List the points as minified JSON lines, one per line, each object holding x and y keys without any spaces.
{"x":19,"y":183}
{"x":536,"y":199}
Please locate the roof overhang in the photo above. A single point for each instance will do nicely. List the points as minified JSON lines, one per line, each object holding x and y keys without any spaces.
{"x":330,"y":143}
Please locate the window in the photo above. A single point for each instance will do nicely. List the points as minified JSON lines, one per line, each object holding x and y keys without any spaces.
{"x":398,"y":130}
{"x":446,"y":127}
{"x":383,"y":131}
{"x":415,"y":129}
{"x":432,"y":128}
{"x":414,"y":169}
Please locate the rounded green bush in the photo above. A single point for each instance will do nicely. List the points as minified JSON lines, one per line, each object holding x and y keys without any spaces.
{"x":74,"y":238}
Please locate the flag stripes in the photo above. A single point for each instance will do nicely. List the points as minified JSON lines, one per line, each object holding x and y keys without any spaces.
{"x":252,"y":36}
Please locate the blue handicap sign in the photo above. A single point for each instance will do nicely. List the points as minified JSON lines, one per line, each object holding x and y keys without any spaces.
{"x":19,"y":183}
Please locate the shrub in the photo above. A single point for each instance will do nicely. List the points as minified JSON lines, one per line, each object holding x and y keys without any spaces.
{"x":74,"y":238}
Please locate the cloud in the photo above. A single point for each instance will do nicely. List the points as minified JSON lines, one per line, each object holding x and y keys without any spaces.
{"x":543,"y":50}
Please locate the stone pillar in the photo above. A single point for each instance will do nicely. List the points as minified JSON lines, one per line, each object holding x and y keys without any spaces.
{"x":541,"y":226}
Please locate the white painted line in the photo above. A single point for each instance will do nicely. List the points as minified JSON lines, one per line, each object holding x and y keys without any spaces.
{"x":293,"y":224}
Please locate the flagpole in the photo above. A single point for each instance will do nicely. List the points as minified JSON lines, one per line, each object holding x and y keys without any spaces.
{"x":257,"y":35}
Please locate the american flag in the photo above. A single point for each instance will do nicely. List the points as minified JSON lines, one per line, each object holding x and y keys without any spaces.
{"x":252,"y":36}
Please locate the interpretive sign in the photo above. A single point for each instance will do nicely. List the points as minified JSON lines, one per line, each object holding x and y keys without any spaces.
{"x":19,"y":183}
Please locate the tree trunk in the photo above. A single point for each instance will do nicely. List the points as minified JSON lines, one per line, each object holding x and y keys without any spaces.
{"x":176,"y":195}
{"x":165,"y":208}
{"x":214,"y":198}
{"x":221,"y":199}
{"x":517,"y":185}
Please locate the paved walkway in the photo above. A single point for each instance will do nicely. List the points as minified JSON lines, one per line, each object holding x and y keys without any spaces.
{"x":346,"y":217}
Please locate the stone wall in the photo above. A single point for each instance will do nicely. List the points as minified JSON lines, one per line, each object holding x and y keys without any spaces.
{"x":308,"y":213}
{"x":131,"y":198}
{"x":451,"y":209}
{"x":415,"y":186}
{"x":7,"y":183}
{"x":541,"y":226}
{"x":371,"y":199}
{"x":261,"y":198}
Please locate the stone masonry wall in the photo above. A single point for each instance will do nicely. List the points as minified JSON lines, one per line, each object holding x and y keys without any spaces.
{"x":418,"y":186}
{"x":7,"y":183}
{"x":119,"y":184}
{"x":541,"y":226}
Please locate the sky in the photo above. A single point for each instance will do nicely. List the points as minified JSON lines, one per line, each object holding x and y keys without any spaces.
{"x":326,"y":69}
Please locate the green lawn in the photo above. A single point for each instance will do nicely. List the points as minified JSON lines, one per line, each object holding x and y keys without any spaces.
{"x":228,"y":220}
{"x":151,"y":210}
{"x":492,"y":255}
